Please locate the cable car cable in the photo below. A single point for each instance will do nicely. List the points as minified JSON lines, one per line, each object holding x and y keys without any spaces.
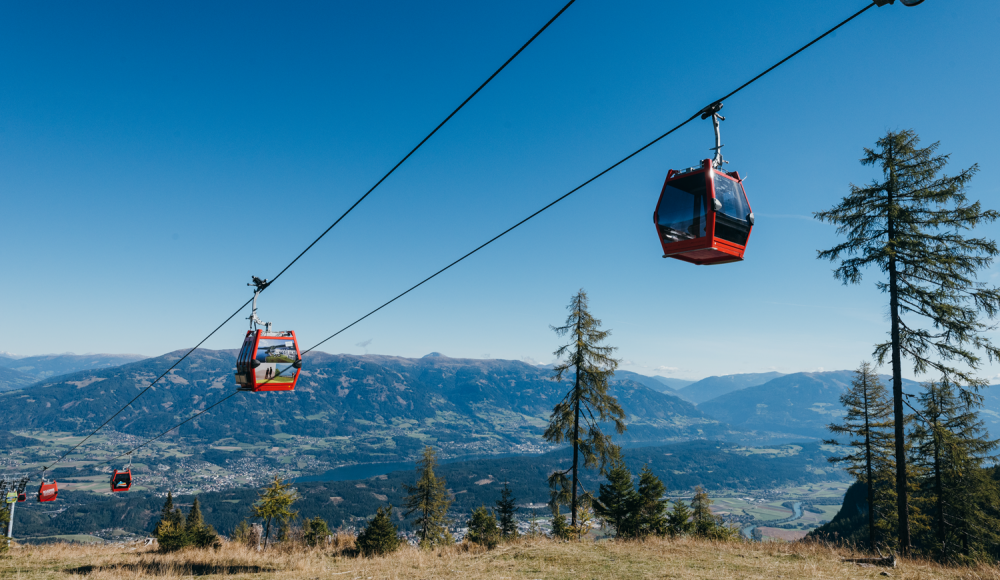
{"x":147,"y":442}
{"x":334,"y":224}
{"x":557,"y":200}
{"x":150,"y":386}
{"x":594,"y":178}
{"x":491,"y":240}
{"x":424,"y":140}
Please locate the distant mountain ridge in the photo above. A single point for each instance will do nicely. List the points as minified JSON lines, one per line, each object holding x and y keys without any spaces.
{"x":387,"y":407}
{"x":51,"y":365}
{"x":712,"y":387}
{"x":799,"y":404}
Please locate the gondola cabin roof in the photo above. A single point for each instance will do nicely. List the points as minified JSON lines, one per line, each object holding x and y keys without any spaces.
{"x":703,"y":216}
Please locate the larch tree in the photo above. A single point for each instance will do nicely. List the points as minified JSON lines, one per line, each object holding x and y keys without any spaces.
{"x":275,"y":502}
{"x":910,"y":226}
{"x":429,"y":500}
{"x":869,"y":426}
{"x":953,"y":446}
{"x":577,"y":418}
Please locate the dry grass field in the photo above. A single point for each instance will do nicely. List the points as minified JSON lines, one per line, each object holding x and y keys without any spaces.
{"x":526,"y":559}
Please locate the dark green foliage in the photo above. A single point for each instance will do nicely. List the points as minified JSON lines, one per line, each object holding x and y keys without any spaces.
{"x":275,"y":502}
{"x":429,"y":500}
{"x":315,"y":531}
{"x":194,"y":517}
{"x":651,"y":507}
{"x":678,"y":523}
{"x":617,"y":502}
{"x":172,"y":537}
{"x":174,"y":531}
{"x":850,"y":524}
{"x":704,"y":523}
{"x":507,"y":513}
{"x":561,"y":528}
{"x":380,"y":536}
{"x":910,"y":227}
{"x":869,"y":426}
{"x":483,"y":529}
{"x":577,"y":418}
{"x":956,"y":491}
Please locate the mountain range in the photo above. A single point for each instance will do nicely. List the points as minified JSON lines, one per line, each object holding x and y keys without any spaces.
{"x":16,"y":372}
{"x":379,"y":408}
{"x":383,"y":408}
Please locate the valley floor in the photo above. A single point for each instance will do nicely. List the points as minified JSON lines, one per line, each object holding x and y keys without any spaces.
{"x":526,"y":559}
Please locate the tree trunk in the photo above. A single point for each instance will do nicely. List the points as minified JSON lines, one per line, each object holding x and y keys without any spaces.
{"x":267,"y":533}
{"x":576,"y":441}
{"x":576,"y":415}
{"x":938,"y":490}
{"x":868,"y":467}
{"x":902,"y":510}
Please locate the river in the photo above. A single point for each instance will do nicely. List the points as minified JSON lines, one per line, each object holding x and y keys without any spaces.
{"x":796,"y":514}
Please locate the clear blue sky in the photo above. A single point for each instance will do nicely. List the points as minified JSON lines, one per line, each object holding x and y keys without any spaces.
{"x":154,"y":156}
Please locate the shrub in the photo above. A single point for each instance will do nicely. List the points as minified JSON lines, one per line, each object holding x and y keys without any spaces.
{"x":380,"y":536}
{"x":483,"y":529}
{"x":315,"y":531}
{"x":171,"y":537}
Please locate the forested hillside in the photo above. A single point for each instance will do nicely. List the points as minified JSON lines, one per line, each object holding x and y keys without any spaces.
{"x":472,"y":483}
{"x":800,"y":404}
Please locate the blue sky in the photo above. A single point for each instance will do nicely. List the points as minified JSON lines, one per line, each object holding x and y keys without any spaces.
{"x":154,"y":156}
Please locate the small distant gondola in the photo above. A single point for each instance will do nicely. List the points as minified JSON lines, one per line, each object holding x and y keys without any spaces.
{"x":121,"y":480}
{"x":703,"y":216}
{"x":48,"y":491}
{"x":269,"y":360}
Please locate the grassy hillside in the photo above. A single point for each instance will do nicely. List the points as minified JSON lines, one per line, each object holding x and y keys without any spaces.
{"x":535,"y":559}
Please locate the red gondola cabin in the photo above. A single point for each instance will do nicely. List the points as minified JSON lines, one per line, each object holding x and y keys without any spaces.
{"x":268,"y":361}
{"x":703,"y":216}
{"x":121,"y":481}
{"x":48,"y":491}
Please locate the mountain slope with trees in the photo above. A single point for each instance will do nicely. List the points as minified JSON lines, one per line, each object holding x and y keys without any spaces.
{"x":387,"y":405}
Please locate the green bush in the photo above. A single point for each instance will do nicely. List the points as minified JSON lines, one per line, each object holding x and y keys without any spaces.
{"x":315,"y":531}
{"x":483,"y":529}
{"x":380,"y":536}
{"x":172,"y":537}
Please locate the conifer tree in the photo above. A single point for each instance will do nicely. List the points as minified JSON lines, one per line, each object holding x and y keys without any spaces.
{"x":617,"y":501}
{"x":195,"y":520}
{"x":910,"y":226}
{"x":429,"y":500}
{"x":380,"y":536}
{"x":869,"y":424}
{"x":576,"y":418}
{"x":483,"y":528}
{"x":560,"y":526}
{"x":703,"y":520}
{"x":651,"y":507}
{"x":507,"y":513}
{"x":275,"y":502}
{"x":315,"y":531}
{"x":678,"y":523}
{"x":952,"y":445}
